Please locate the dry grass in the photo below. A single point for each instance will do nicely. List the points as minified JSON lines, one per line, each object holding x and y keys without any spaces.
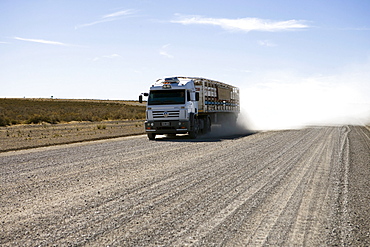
{"x":24,"y":136}
{"x":33,"y":111}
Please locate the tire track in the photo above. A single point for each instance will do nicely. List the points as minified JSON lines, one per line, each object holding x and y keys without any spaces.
{"x":309,"y":217}
{"x":358,"y":186}
{"x":266,"y":226}
{"x":262,"y":181}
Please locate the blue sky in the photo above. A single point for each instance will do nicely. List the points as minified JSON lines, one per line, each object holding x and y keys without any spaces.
{"x":309,"y":55}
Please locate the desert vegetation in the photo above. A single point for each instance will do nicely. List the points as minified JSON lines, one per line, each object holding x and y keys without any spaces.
{"x":34,"y":111}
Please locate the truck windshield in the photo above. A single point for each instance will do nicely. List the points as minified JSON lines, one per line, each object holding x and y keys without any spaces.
{"x":166,"y":97}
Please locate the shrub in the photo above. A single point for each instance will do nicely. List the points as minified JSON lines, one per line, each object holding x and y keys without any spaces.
{"x":37,"y":118}
{"x":101,"y":126}
{"x":4,"y":121}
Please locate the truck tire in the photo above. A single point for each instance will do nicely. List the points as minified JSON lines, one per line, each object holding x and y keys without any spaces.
{"x":151,"y":136}
{"x":193,"y":134}
{"x":193,"y":126}
{"x":208,"y":125}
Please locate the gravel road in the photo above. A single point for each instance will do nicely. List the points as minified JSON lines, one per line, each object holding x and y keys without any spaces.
{"x":307,"y":187}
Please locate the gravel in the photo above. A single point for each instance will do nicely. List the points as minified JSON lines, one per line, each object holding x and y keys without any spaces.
{"x":306,"y":187}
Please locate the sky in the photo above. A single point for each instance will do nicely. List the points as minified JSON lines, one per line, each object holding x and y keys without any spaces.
{"x":295,"y":62}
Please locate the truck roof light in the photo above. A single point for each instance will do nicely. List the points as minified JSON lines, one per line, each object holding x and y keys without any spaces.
{"x":166,"y":86}
{"x":171,"y":80}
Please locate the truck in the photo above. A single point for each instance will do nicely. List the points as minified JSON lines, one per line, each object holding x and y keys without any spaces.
{"x":189,"y":105}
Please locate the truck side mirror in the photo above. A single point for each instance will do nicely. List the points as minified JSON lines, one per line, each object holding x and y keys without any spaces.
{"x":140,"y":99}
{"x":197,"y":96}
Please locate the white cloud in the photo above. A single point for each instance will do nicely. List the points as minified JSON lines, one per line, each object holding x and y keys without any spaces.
{"x":267,"y":43}
{"x":112,"y":56}
{"x":91,"y":23}
{"x":244,"y":24}
{"x":164,"y":51}
{"x":109,"y":17}
{"x":119,"y":13}
{"x":42,"y":41}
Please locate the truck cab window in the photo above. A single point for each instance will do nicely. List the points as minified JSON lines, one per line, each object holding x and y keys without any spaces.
{"x":166,"y":97}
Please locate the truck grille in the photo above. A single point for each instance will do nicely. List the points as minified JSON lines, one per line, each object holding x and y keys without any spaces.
{"x":166,"y":114}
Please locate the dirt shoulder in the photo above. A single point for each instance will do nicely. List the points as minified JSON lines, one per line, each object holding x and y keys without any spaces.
{"x":18,"y":137}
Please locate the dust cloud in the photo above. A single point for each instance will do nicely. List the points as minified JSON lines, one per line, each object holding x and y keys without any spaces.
{"x":231,"y":130}
{"x":294,"y":103}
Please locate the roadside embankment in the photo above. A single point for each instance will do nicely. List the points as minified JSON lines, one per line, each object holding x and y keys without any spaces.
{"x":17,"y":137}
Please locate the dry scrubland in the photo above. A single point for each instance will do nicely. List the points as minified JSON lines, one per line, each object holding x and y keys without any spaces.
{"x":26,"y":123}
{"x":34,"y":111}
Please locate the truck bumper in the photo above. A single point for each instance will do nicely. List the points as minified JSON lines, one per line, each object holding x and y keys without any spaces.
{"x":167,"y":127}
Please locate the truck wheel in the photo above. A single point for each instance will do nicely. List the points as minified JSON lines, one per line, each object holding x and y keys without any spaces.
{"x":194,"y":126}
{"x":151,"y":136}
{"x":208,"y":125}
{"x":192,"y":134}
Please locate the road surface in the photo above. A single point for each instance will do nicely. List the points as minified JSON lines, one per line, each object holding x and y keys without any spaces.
{"x":307,"y":187}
